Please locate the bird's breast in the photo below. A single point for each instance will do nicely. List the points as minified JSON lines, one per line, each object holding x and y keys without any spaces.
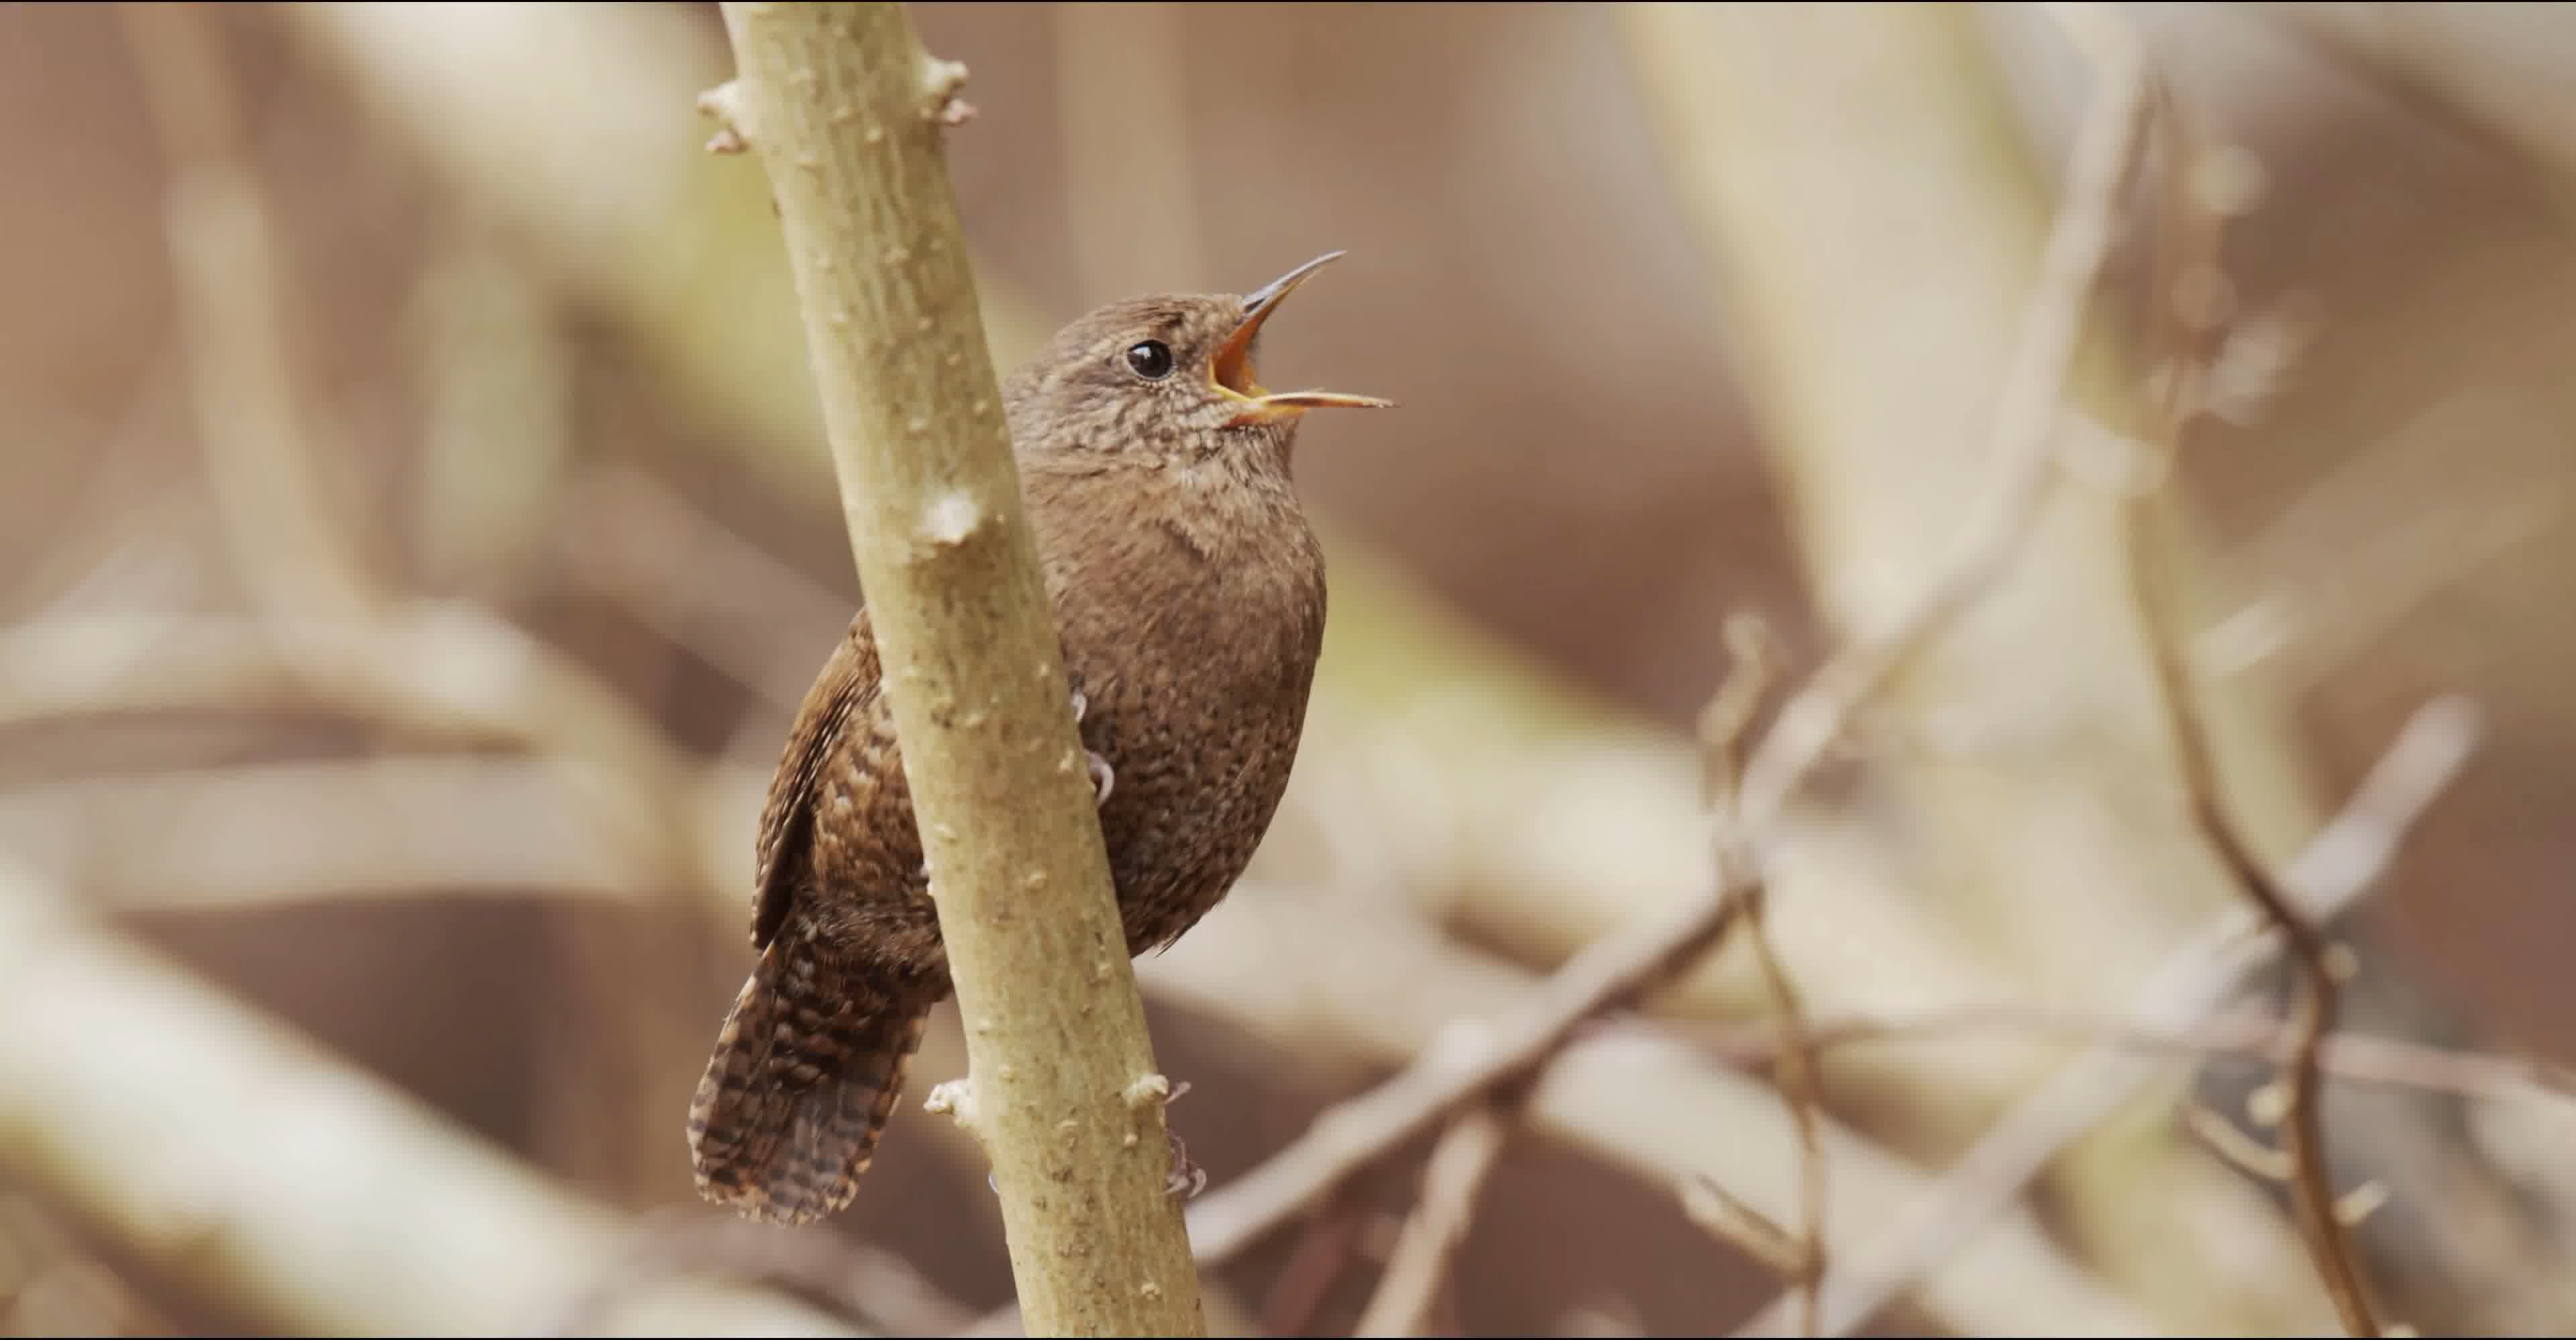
{"x":1195,"y":656}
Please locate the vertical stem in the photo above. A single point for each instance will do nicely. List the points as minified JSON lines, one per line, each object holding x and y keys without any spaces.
{"x":846,"y":112}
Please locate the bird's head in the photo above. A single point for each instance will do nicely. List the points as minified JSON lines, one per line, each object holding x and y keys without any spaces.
{"x":1169,"y":374}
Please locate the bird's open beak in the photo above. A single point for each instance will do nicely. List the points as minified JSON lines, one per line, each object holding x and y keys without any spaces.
{"x":1231,"y":369}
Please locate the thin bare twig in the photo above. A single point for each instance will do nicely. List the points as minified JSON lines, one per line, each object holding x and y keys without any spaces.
{"x":1607,"y":974}
{"x":2336,"y":868}
{"x":1721,"y":726}
{"x":2265,"y":1163}
{"x":1297,"y":1293}
{"x":2354,"y":1059}
{"x":1798,"y":1088}
{"x":2250,"y":1155}
{"x":2314,"y":1014}
{"x":2107,"y":154}
{"x":2303,"y":1137}
{"x":1451,"y":1184}
{"x":1725,"y":1216}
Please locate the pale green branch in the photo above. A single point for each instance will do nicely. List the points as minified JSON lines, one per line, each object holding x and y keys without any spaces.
{"x":847,"y":114}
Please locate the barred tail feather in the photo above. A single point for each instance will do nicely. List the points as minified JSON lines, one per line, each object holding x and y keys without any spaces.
{"x":804,"y":1077}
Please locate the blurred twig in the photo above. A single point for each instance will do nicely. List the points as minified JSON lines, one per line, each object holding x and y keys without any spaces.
{"x":2159,"y":615}
{"x":1714,"y":1208}
{"x":1721,"y":728}
{"x":2439,"y":65}
{"x":288,"y":539}
{"x":875,"y":1287}
{"x":2026,"y":433}
{"x":567,"y":125}
{"x":496,"y":370}
{"x":2350,"y":1057}
{"x":1331,"y":978}
{"x":233,"y":323}
{"x":1451,"y":1184}
{"x":304,"y":565}
{"x":1363,"y":1130}
{"x":1326,"y":1247}
{"x":1797,"y":1079}
{"x":244,"y":1161}
{"x":2336,"y":868}
{"x":2233,"y":1144}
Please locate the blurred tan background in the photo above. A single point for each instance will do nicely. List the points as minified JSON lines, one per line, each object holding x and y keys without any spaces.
{"x":414,"y":538}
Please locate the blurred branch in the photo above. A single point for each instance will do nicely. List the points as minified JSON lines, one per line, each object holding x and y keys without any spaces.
{"x":1793,"y":1257}
{"x":437,"y":670}
{"x":1451,"y":1183}
{"x":241,"y":1159}
{"x":1329,"y":1244}
{"x":1339,"y":976}
{"x":49,"y":1285}
{"x":2351,"y":1057}
{"x":1797,"y":1081}
{"x":846,"y":111}
{"x":496,"y":369}
{"x":1721,"y":729}
{"x":2393,"y":525}
{"x":1886,"y":248}
{"x":605,"y":189}
{"x":289,"y":542}
{"x":2466,"y":69}
{"x":2193,"y":345}
{"x":386,"y":826}
{"x":1523,"y":1036}
{"x":303,"y":563}
{"x":861,"y":1282}
{"x":233,"y":327}
{"x":434,"y":671}
{"x":2335,"y":870}
{"x":273,"y":834}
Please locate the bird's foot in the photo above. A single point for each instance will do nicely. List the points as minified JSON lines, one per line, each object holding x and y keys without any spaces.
{"x":1103,"y":779}
{"x":1187,"y":1179}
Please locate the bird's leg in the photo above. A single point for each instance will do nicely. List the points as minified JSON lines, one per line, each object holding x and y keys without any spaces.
{"x":1102,"y":778}
{"x":1187,"y":1179}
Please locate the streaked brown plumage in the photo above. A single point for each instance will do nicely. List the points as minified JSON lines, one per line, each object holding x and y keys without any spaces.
{"x":1189,"y":593}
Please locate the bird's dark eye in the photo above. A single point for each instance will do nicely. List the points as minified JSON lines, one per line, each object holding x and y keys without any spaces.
{"x":1151,"y":360}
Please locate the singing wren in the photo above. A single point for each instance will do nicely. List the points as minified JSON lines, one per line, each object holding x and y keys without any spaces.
{"x":1188,"y":593}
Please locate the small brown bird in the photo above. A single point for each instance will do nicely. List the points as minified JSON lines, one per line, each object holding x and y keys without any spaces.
{"x":1189,"y":594}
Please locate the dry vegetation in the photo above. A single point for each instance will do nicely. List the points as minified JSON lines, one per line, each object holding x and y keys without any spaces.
{"x":1939,"y":714}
